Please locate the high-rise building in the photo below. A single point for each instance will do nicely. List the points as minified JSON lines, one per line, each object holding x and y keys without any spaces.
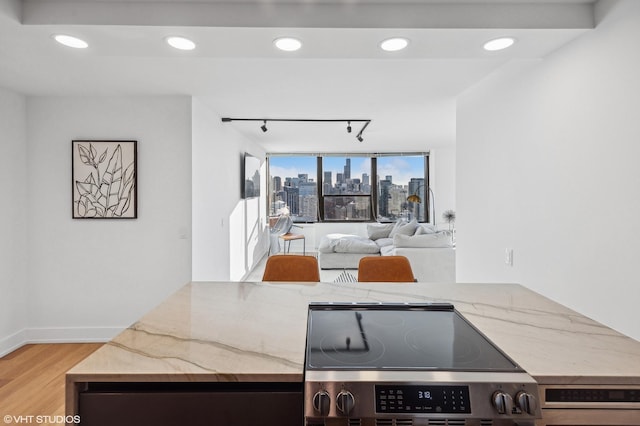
{"x":308,"y":209}
{"x":365,"y":179}
{"x":327,"y":183}
{"x":397,"y":202}
{"x":277,"y":183}
{"x":292,"y":196}
{"x":383,"y":201}
{"x":347,"y":170}
{"x":308,"y":200}
{"x":327,"y":179}
{"x":307,"y":189}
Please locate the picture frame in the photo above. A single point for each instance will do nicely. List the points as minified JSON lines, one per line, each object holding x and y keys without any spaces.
{"x":104,"y":179}
{"x":251,"y":177}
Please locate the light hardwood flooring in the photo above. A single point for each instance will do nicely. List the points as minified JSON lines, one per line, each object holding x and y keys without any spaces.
{"x":32,"y":381}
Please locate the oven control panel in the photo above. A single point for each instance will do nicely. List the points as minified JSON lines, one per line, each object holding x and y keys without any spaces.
{"x":422,"y":399}
{"x":420,"y":395}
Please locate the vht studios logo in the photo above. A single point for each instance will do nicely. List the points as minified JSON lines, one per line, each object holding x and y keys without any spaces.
{"x":8,"y":419}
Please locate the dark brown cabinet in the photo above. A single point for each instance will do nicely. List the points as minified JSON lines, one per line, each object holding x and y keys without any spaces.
{"x":193,"y":404}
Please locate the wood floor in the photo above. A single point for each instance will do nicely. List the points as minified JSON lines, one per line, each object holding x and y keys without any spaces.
{"x":32,"y":380}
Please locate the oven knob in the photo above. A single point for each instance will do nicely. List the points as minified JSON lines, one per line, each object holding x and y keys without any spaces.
{"x":526,"y":402}
{"x":322,"y":402}
{"x":502,"y":402}
{"x":345,"y":402}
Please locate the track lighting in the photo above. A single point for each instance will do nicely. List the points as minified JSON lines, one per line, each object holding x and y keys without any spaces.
{"x":359,"y":135}
{"x":313,"y":120}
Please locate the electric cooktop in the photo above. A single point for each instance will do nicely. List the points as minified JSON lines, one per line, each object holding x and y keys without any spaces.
{"x":398,"y":337}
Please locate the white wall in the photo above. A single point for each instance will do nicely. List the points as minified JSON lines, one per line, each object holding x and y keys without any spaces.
{"x":13,"y":222}
{"x":89,"y":278}
{"x":547,"y":164}
{"x":229,"y":233}
{"x":443,"y":181}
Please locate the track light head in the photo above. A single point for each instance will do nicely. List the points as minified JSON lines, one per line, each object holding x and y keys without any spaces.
{"x":359,"y":135}
{"x":348,"y":127}
{"x":264,"y":126}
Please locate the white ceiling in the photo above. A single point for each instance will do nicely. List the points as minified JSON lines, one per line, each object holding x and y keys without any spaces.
{"x":339,"y":74}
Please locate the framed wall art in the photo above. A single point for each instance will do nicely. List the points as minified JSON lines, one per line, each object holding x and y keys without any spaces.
{"x":104,"y":178}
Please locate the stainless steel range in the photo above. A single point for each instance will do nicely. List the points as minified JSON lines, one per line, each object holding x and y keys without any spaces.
{"x":409,"y":364}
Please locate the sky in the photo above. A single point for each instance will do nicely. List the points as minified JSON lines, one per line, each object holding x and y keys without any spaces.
{"x":402,"y":168}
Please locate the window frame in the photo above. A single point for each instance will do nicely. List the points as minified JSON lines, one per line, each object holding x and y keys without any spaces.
{"x":321,"y":196}
{"x":373,"y":195}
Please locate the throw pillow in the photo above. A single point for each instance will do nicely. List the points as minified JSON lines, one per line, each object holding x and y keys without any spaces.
{"x":375,"y":231}
{"x":425,"y":228}
{"x":402,"y":228}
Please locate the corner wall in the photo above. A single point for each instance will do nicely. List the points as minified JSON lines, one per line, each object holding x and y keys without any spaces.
{"x":443,"y":182}
{"x":88,"y":279}
{"x":230,"y":234}
{"x":13,"y":222}
{"x":547,"y":164}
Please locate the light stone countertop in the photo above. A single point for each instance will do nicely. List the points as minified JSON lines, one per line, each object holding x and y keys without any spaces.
{"x":242,"y":331}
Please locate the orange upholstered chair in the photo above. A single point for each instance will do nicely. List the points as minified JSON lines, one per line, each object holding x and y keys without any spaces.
{"x":385,"y":269}
{"x":291,"y":268}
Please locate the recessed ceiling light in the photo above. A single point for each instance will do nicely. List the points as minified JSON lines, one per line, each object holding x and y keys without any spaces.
{"x":394,"y":44}
{"x":70,"y":41}
{"x":181,"y":43}
{"x":499,"y":43}
{"x":288,"y":44}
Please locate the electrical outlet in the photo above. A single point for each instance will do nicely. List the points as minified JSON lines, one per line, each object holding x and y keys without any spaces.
{"x":508,"y":256}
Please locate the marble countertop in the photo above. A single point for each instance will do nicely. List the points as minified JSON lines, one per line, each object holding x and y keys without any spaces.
{"x":242,"y":331}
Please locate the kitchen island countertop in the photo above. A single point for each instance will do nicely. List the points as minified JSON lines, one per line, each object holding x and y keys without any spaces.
{"x":243,"y":331}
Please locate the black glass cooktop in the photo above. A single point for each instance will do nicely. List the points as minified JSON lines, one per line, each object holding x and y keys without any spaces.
{"x":398,"y":337}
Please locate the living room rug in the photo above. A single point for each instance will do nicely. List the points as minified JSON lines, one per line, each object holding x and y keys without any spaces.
{"x":345,"y":277}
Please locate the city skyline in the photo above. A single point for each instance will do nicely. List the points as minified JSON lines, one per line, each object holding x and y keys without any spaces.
{"x":345,"y":180}
{"x":402,"y":168}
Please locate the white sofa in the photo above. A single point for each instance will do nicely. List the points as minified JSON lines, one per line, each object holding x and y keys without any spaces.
{"x":430,"y":253}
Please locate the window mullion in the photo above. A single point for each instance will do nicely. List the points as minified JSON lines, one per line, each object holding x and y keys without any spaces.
{"x":319,"y":179}
{"x":374,"y":188}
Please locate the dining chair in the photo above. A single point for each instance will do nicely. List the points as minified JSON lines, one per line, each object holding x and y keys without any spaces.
{"x":291,"y":268}
{"x":385,"y":269}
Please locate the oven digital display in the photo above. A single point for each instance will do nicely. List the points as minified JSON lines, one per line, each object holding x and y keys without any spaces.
{"x":425,"y":399}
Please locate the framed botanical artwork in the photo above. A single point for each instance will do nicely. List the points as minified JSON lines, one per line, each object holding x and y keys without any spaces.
{"x":104,"y":178}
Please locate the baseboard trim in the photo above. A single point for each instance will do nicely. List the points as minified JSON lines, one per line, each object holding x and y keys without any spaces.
{"x":57,"y":335}
{"x":12,"y":342}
